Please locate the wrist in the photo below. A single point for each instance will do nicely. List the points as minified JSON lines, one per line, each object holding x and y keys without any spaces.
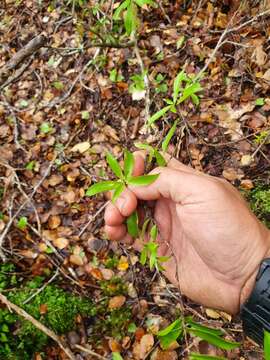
{"x":263,"y":253}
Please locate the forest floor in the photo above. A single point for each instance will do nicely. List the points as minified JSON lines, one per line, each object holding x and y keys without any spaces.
{"x":75,"y":93}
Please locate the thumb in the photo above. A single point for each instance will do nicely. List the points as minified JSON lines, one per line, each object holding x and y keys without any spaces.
{"x":176,"y":185}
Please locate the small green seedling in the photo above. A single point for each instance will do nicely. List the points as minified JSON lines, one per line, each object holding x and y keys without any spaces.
{"x":260,"y":102}
{"x":129,"y":9}
{"x":160,"y":84}
{"x":213,"y":336}
{"x":22,"y":223}
{"x":124,"y":176}
{"x":137,"y":87}
{"x":262,"y":137}
{"x":180,"y":94}
{"x":154,"y":153}
{"x":150,"y":249}
{"x":45,"y":128}
{"x":115,"y":76}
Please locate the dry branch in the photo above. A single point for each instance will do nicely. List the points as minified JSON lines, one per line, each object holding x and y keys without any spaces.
{"x":38,"y":325}
{"x":35,"y":44}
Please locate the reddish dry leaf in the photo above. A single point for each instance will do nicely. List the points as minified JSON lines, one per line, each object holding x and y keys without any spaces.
{"x":76,"y":260}
{"x":55,"y":180}
{"x":158,"y":354}
{"x":116,"y":302}
{"x":114,"y":345}
{"x":54,"y":222}
{"x":43,"y":309}
{"x":141,"y":349}
{"x":61,"y":243}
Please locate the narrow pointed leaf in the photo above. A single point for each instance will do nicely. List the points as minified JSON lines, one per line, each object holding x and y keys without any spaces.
{"x":132,"y":224}
{"x":160,"y":159}
{"x":195,"y":99}
{"x":143,"y":180}
{"x":143,"y":256}
{"x":116,"y":356}
{"x":163,"y":258}
{"x":158,"y":114}
{"x":152,"y":260}
{"x":215,"y":340}
{"x":131,"y":20}
{"x":194,"y":356}
{"x":169,"y":136}
{"x":196,"y":326}
{"x":101,"y":187}
{"x":117,"y":192}
{"x":189,"y":90}
{"x":177,"y":83}
{"x":266,"y":345}
{"x":170,"y":334}
{"x":144,"y":228}
{"x":114,"y":165}
{"x":121,"y":7}
{"x":141,"y":3}
{"x":144,"y":147}
{"x":128,"y":163}
{"x":154,"y":232}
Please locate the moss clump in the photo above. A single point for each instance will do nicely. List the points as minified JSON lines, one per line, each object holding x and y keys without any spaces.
{"x":259,"y":199}
{"x":19,"y":339}
{"x":114,"y":286}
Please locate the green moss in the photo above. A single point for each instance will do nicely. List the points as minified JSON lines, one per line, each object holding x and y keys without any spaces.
{"x":115,"y":286}
{"x":259,"y":199}
{"x":19,"y":339}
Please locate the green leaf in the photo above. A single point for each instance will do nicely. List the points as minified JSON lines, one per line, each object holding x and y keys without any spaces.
{"x":174,"y":325}
{"x":160,"y":159}
{"x":189,"y":90}
{"x":30,"y":166}
{"x":121,"y":7}
{"x":168,"y":137}
{"x":143,"y":256}
{"x":170,"y":333}
{"x":214,"y":340}
{"x":131,"y":20}
{"x":132,"y":224}
{"x":153,"y":260}
{"x":132,"y":328}
{"x":128,"y":164}
{"x":195,"y":99}
{"x":266,"y":345}
{"x":141,"y":3}
{"x":163,"y":258}
{"x":5,"y":328}
{"x":45,"y":128}
{"x":177,"y":84}
{"x":180,"y":42}
{"x":194,"y":356}
{"x":85,"y":115}
{"x":100,"y":187}
{"x":143,"y":180}
{"x":58,"y":85}
{"x":212,"y":331}
{"x":116,"y":356}
{"x":260,"y":101}
{"x":158,"y":114}
{"x":22,"y":223}
{"x":154,"y":232}
{"x":144,"y":228}
{"x":114,"y":165}
{"x":117,"y":192}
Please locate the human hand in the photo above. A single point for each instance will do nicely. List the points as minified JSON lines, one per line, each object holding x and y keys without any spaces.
{"x":217,"y":242}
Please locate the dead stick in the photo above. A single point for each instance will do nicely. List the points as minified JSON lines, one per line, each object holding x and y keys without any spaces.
{"x":38,"y":325}
{"x":30,"y":48}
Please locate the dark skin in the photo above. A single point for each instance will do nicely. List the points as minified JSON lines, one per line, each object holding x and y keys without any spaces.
{"x":217,"y":242}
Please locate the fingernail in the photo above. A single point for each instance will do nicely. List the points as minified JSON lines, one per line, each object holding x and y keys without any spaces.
{"x":121,"y":203}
